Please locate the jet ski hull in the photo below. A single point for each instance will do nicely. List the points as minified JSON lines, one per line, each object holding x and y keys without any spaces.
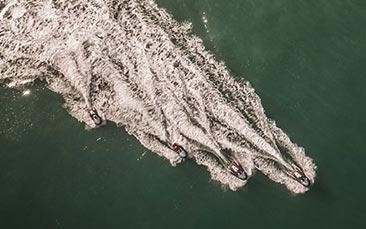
{"x":180,"y":150}
{"x":237,"y":170}
{"x":98,"y":121}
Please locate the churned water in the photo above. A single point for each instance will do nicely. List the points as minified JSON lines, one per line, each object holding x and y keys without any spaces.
{"x":305,"y":60}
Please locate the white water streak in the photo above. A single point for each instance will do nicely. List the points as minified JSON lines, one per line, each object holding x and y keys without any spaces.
{"x":138,"y":67}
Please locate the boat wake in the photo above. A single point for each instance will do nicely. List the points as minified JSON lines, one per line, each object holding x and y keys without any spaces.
{"x":131,"y":63}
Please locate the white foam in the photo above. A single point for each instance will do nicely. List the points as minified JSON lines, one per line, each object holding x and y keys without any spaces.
{"x":139,"y":68}
{"x":26,"y":92}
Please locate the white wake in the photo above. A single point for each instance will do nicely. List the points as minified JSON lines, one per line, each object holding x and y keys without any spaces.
{"x":132,"y":64}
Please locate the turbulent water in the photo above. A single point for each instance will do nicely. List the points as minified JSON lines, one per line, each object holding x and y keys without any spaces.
{"x":133,"y":64}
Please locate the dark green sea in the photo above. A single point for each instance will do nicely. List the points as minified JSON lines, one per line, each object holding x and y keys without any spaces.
{"x":307,"y":61}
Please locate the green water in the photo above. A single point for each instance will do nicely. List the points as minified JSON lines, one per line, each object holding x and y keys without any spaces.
{"x":306,"y":60}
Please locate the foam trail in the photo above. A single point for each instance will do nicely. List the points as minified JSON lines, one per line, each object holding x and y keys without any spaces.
{"x":131,"y":63}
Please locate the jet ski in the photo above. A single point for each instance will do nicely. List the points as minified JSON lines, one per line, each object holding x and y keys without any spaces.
{"x":180,"y":150}
{"x":95,"y":117}
{"x":302,"y":179}
{"x":299,"y":176}
{"x":238,"y":171}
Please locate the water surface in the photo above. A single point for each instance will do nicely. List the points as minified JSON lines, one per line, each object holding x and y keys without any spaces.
{"x":306,"y":61}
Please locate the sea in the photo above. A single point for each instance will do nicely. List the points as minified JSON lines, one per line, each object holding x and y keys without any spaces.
{"x":307,"y":62}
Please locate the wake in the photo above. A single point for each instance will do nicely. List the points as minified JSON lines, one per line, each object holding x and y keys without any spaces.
{"x":131,"y":63}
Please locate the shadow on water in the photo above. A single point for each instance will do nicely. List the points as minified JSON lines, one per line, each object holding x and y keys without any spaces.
{"x":321,"y":190}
